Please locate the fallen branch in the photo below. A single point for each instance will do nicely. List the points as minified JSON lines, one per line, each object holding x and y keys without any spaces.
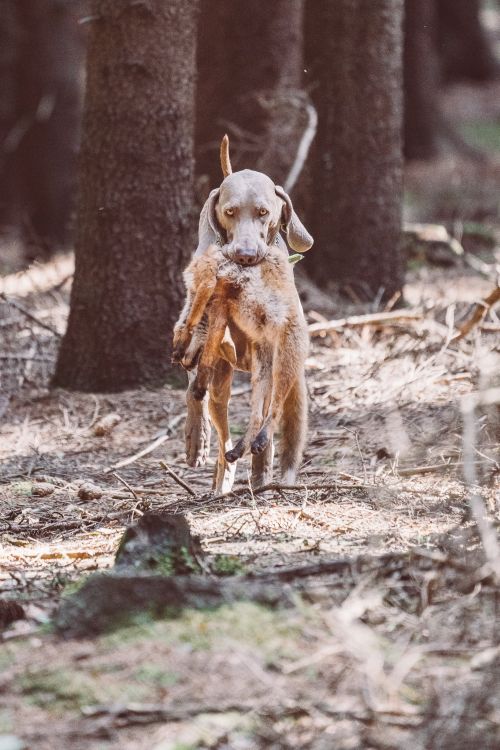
{"x":126,"y":484}
{"x":141,"y":714}
{"x":136,"y":713}
{"x":478,"y":314}
{"x":276,"y":487}
{"x":177,"y":478}
{"x":29,"y":315}
{"x":375,"y":319}
{"x":412,"y":470}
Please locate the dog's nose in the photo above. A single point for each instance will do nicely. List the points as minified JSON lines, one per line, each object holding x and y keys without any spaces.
{"x":245,"y":256}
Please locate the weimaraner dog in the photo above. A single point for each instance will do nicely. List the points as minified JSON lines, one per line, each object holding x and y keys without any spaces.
{"x":243,"y":218}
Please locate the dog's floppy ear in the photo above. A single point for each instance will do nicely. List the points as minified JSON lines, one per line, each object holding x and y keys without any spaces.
{"x":297,"y":235}
{"x":209,"y":230}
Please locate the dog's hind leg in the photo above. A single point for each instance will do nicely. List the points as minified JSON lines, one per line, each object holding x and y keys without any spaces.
{"x":288,"y":403}
{"x":219,"y":394}
{"x":262,"y":466}
{"x":294,"y":430}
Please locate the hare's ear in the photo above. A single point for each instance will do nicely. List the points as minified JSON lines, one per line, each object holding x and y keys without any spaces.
{"x":297,"y":235}
{"x":209,"y":230}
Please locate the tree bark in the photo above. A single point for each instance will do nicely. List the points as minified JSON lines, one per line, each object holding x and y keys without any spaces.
{"x":250,"y":76}
{"x":9,"y":51}
{"x":49,"y":106}
{"x":355,"y":217}
{"x":464,"y":48}
{"x":422,"y":117}
{"x":135,"y":220}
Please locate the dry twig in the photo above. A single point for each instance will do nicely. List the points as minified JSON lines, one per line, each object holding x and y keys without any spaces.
{"x":478,"y":314}
{"x":177,"y":478}
{"x":29,"y":315}
{"x":375,"y":319}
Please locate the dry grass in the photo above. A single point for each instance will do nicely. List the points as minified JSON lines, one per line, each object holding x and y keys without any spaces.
{"x":397,"y":648}
{"x":406,"y":639}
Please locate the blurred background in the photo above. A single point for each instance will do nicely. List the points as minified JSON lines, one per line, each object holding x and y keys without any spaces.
{"x":451,"y":99}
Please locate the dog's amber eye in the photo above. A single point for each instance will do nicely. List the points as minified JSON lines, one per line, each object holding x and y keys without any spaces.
{"x":263,"y":211}
{"x":229,"y":211}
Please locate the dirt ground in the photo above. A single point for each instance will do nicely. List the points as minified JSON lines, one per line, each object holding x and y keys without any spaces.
{"x":400,"y":649}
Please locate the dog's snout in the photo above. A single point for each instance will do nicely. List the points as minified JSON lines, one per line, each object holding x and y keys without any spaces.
{"x":245,"y":256}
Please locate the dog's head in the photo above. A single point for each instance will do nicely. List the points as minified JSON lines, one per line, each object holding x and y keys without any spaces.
{"x":245,"y":214}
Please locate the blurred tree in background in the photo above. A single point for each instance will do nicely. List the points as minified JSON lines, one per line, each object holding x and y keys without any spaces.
{"x":40,"y":71}
{"x":464,"y":49}
{"x":250,"y":68}
{"x":422,"y":116}
{"x":260,"y":70}
{"x":135,"y":218}
{"x":355,"y":215}
{"x":445,"y":41}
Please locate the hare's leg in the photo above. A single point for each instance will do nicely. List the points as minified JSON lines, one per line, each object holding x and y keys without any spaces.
{"x":217,"y":322}
{"x":261,"y":396}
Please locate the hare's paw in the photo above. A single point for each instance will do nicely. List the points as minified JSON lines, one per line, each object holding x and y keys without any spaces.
{"x":260,"y":443}
{"x":182,"y":339}
{"x":235,"y":453}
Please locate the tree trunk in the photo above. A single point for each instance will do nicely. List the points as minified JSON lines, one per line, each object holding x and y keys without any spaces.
{"x":49,"y":109}
{"x":135,"y":220}
{"x":464,"y":48}
{"x":422,"y":117}
{"x":9,"y":35}
{"x":250,"y":85}
{"x":355,"y":217}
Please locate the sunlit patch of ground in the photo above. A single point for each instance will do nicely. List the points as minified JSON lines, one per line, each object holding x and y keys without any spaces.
{"x":399,"y":649}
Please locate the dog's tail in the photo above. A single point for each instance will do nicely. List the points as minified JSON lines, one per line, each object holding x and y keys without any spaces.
{"x":225,"y":161}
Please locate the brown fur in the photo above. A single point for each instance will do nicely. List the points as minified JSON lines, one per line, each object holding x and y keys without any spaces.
{"x":242,"y":312}
{"x":262,"y":302}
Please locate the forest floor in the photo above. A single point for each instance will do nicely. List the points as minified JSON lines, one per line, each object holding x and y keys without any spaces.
{"x":399,"y":649}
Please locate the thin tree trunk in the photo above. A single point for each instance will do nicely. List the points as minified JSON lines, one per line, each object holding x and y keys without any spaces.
{"x":422,"y":117}
{"x":49,"y":105}
{"x":355,"y":217}
{"x":135,"y":221}
{"x":9,"y":51}
{"x":250,"y":74}
{"x":464,"y":48}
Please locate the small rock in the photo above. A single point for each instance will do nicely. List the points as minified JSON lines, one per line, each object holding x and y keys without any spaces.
{"x":431,"y":242}
{"x":56,"y":481}
{"x":10,"y":612}
{"x":106,"y":424}
{"x":89,"y":491}
{"x":160,"y":542}
{"x":42,"y":489}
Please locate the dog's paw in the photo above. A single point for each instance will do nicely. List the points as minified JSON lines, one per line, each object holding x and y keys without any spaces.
{"x":235,"y":453}
{"x":260,"y":443}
